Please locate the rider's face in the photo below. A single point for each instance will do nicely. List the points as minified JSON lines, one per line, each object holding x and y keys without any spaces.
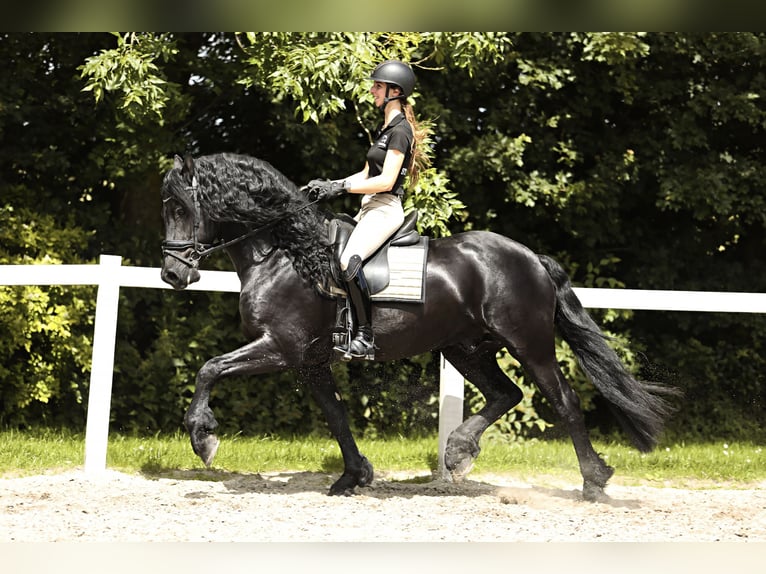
{"x":378,"y":91}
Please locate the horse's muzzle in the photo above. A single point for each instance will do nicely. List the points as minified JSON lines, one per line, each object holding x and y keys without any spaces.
{"x":178,"y":276}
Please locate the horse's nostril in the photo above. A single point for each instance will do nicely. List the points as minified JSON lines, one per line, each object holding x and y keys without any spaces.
{"x":169,"y":276}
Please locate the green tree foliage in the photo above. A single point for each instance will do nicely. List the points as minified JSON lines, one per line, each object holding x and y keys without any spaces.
{"x":633,"y":158}
{"x":130,"y":72}
{"x":47,"y":215}
{"x":46,"y":342}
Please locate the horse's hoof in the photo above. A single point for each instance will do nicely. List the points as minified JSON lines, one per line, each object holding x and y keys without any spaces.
{"x":341,"y":492}
{"x":593,"y":492}
{"x":346,"y":484}
{"x":461,"y":452}
{"x":458,"y":464}
{"x":367,"y":474}
{"x":342,"y":487}
{"x":462,"y":469}
{"x":459,"y":461}
{"x":208,"y":449}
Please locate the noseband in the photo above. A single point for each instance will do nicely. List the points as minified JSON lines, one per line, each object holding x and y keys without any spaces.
{"x":199,"y":251}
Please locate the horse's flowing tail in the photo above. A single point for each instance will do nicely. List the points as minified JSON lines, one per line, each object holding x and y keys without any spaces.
{"x":640,"y":407}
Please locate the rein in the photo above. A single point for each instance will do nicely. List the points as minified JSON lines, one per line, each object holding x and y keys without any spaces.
{"x":171,"y":247}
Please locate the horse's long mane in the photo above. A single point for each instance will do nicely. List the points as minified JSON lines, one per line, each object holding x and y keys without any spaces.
{"x":241,"y":189}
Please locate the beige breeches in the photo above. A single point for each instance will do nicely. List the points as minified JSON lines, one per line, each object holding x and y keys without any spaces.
{"x":379,"y":217}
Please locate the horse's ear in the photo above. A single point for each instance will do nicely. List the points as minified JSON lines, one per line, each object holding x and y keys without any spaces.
{"x":187,"y":167}
{"x":178,"y":163}
{"x":188,"y":164}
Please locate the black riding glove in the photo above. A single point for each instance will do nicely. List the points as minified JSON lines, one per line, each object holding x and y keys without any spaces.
{"x":322,"y":189}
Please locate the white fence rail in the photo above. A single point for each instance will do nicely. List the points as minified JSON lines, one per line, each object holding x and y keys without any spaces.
{"x":109,"y":275}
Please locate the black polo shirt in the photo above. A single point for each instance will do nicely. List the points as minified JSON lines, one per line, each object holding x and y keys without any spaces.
{"x":397,"y":135}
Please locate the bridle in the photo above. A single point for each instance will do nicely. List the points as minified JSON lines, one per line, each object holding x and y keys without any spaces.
{"x":199,"y":251}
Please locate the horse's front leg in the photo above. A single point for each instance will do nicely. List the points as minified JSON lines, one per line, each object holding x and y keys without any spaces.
{"x":255,"y":357}
{"x":357,"y":469}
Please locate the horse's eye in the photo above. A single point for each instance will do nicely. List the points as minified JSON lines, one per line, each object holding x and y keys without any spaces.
{"x":179,"y":212}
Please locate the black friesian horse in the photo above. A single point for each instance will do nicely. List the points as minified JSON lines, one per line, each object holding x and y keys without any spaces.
{"x":484,"y":292}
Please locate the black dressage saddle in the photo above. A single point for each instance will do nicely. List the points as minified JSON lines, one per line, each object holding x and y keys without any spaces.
{"x":376,"y":268}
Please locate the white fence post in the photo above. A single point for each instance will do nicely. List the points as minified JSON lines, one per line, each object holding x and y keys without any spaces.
{"x":102,"y":366}
{"x":451,"y":392}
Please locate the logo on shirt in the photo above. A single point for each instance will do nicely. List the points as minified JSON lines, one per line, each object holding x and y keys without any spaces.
{"x":383,"y":141}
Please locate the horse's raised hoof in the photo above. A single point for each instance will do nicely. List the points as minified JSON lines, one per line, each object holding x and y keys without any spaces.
{"x":459,"y":473}
{"x":459,"y":456}
{"x":207,"y":448}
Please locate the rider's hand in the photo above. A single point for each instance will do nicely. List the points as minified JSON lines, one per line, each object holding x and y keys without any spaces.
{"x":322,"y":189}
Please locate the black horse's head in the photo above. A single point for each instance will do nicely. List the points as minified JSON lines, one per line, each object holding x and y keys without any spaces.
{"x":188,"y":232}
{"x":219,"y":200}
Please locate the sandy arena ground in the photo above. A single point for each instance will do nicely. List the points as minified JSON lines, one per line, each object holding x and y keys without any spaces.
{"x":290,"y":507}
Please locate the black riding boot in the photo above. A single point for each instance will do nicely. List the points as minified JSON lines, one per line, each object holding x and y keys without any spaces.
{"x":362,"y":345}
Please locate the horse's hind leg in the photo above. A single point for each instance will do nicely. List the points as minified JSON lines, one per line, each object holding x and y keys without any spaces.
{"x":546,"y":372}
{"x":357,"y":469}
{"x":501,"y":395}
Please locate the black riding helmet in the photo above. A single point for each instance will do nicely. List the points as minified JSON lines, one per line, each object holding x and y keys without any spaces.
{"x":394,"y":72}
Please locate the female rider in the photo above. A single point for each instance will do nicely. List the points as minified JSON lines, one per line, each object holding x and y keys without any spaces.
{"x":393,"y":155}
